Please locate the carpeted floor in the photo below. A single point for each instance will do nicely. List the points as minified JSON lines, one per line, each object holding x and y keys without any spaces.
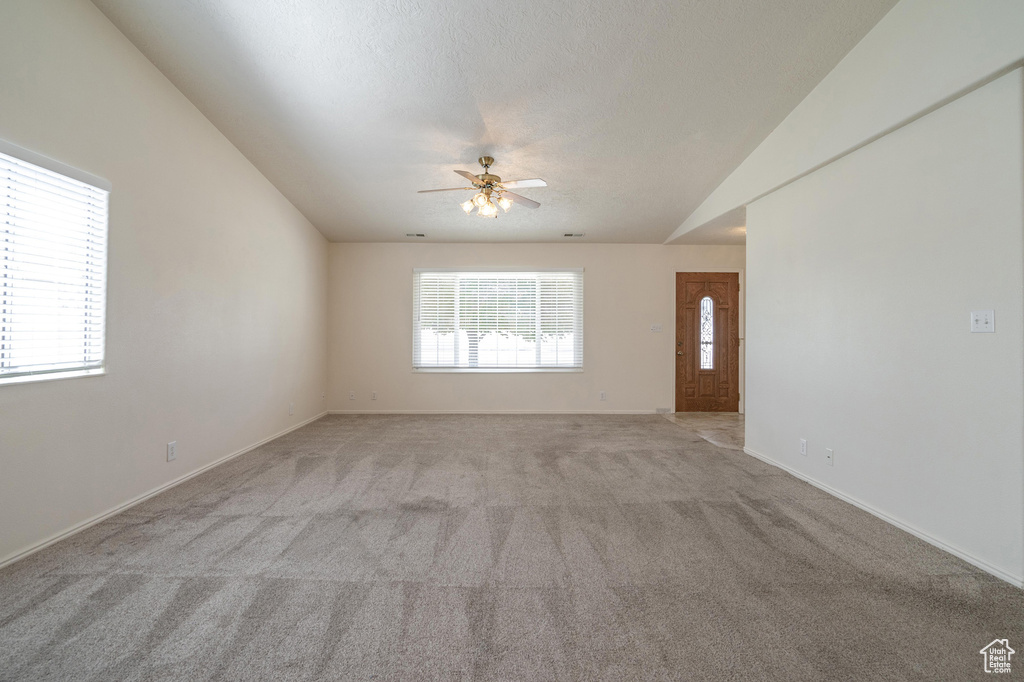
{"x":498,"y":548}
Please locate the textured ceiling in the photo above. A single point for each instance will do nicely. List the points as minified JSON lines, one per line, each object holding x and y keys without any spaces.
{"x":632,"y":111}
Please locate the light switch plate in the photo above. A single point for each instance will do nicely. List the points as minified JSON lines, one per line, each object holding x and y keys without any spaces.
{"x":656,"y":328}
{"x":983,"y":322}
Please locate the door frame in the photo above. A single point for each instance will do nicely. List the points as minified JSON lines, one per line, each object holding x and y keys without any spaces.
{"x":742,"y":328}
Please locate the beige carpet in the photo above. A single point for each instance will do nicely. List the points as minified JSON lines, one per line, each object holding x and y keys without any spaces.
{"x":498,"y":548}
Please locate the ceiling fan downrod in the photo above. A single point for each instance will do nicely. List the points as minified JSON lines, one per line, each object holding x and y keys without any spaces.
{"x":486,"y":178}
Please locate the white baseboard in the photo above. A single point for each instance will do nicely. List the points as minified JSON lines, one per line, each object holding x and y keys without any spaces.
{"x":1015,"y":580}
{"x":92,"y":521}
{"x":491,"y":412}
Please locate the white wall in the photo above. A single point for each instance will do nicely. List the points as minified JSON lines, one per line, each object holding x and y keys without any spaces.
{"x":921,"y":53}
{"x":861,"y":277}
{"x":627,"y":287}
{"x":216,"y":291}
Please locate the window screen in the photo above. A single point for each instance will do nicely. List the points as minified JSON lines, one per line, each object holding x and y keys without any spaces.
{"x":53,"y":252}
{"x":498,"y":320}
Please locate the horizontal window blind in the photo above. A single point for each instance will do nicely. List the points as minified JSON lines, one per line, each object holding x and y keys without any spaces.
{"x":498,"y":320}
{"x":53,"y":252}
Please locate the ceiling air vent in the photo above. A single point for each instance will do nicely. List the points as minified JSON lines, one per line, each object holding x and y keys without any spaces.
{"x":415,"y":234}
{"x":573,"y":234}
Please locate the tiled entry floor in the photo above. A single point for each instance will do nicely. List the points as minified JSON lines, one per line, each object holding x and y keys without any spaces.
{"x":724,"y":429}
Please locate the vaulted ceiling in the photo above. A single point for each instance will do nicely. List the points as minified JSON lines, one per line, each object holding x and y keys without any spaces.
{"x":632,"y":111}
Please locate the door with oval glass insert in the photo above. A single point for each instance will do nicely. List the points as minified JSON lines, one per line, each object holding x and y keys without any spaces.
{"x":707,"y":342}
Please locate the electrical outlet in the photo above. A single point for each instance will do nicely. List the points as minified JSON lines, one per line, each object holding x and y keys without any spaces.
{"x":172,"y":451}
{"x":373,"y":396}
{"x":830,"y":457}
{"x":291,"y":408}
{"x":656,"y":328}
{"x":351,"y":395}
{"x":603,"y":395}
{"x":803,"y":447}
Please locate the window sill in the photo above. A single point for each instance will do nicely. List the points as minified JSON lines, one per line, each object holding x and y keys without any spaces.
{"x":495,"y":370}
{"x":52,"y":376}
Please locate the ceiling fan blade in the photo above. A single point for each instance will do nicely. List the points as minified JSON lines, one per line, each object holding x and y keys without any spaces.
{"x":447,"y":189}
{"x":519,"y":199}
{"x":469,"y":176}
{"x":523,"y":184}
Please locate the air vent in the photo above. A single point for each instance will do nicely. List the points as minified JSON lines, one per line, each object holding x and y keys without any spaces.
{"x":415,"y":234}
{"x":573,"y":234}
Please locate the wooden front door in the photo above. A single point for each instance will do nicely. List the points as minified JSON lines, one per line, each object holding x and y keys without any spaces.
{"x":707,"y":342}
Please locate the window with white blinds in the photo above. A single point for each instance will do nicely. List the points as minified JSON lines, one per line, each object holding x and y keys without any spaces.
{"x":484,"y":320}
{"x":53,"y":253}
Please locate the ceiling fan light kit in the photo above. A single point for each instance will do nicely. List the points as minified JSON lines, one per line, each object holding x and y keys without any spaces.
{"x":491,"y":192}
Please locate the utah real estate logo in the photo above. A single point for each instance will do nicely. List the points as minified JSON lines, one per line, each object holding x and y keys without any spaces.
{"x":997,"y":656}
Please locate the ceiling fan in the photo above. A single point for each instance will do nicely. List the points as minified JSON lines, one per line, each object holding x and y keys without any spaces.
{"x":490,"y":187}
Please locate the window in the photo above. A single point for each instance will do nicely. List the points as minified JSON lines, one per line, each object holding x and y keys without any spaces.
{"x":707,"y":333}
{"x":53,"y":253}
{"x":498,"y":320}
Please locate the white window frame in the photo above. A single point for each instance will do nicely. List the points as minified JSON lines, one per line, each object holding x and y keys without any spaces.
{"x":99,"y":190}
{"x":421,"y":365}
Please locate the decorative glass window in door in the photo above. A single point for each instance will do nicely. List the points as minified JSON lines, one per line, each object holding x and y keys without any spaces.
{"x":707,"y":333}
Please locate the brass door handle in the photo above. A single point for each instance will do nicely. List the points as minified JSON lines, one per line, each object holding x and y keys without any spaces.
{"x":679,"y":352}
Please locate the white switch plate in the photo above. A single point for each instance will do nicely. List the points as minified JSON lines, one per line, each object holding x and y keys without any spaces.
{"x":656,"y":328}
{"x":373,"y":396}
{"x":172,"y":451}
{"x":803,"y":447}
{"x":351,"y":395}
{"x":983,"y":322}
{"x":830,"y":457}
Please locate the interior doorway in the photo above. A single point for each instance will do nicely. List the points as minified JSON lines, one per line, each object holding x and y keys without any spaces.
{"x":707,"y":342}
